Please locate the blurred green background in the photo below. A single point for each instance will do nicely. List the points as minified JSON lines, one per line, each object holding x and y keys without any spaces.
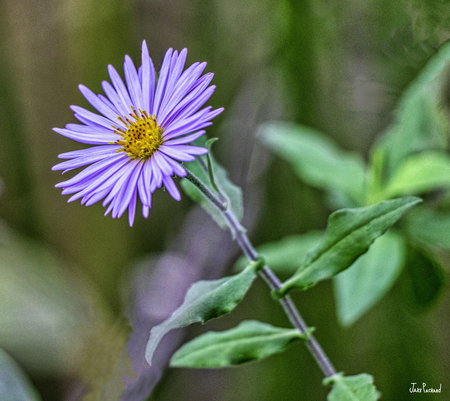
{"x":66,"y":272}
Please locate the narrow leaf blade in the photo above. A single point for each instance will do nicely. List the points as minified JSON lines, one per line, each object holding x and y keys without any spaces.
{"x":420,"y":173}
{"x":316,"y":159}
{"x":364,"y":283}
{"x":422,"y":123}
{"x":349,"y":234}
{"x":249,"y":341}
{"x":352,"y":388}
{"x":204,"y":300}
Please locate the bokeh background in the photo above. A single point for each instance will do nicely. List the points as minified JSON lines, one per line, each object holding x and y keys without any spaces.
{"x":69,"y":276}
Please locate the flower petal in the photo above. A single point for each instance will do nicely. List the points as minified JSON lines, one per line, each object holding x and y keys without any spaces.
{"x":148,"y":80}
{"x":90,"y":156}
{"x":92,"y":117}
{"x":185,"y":139}
{"x":134,"y":86}
{"x":93,"y":137}
{"x":162,"y":81}
{"x":98,"y":104}
{"x":171,"y":187}
{"x":197,"y":89}
{"x":114,"y":98}
{"x":165,"y":167}
{"x":172,"y":151}
{"x":120,"y":88}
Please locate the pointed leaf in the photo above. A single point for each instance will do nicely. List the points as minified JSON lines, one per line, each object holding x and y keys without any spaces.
{"x":316,"y":159}
{"x":14,"y":385}
{"x":422,"y":122}
{"x":352,"y":388}
{"x":204,"y":300}
{"x":418,"y":174}
{"x":349,"y":234}
{"x":285,"y":255}
{"x":249,"y":341}
{"x":366,"y":281}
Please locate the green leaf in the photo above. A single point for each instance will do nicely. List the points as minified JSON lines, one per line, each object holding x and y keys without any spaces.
{"x":424,"y":280}
{"x":422,"y":122}
{"x":14,"y":385}
{"x":351,"y":388}
{"x":205,"y":300}
{"x":349,"y":234}
{"x":60,"y":310}
{"x":249,"y":341}
{"x":366,"y":281}
{"x":316,"y":159}
{"x":420,"y":173}
{"x":429,"y":226}
{"x":285,"y":255}
{"x":231,"y":192}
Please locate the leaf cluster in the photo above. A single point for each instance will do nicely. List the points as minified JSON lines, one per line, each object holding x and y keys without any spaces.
{"x":356,"y":249}
{"x":409,"y":159}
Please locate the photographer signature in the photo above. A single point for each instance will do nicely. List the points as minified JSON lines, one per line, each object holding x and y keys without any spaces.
{"x":424,"y":389}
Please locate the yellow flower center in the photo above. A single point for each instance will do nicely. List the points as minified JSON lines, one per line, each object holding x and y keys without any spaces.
{"x":142,"y":137}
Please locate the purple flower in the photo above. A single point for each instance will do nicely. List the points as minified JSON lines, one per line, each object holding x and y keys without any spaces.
{"x":141,"y":136}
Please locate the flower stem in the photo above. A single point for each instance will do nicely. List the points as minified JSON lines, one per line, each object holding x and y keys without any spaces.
{"x":239,"y":233}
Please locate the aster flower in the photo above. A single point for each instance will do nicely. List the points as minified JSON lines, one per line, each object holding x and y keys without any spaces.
{"x":142,"y":135}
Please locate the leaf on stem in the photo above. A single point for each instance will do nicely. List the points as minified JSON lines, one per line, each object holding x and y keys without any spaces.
{"x":420,"y":173}
{"x":205,"y":170}
{"x":349,"y":234}
{"x":14,"y":385}
{"x":316,"y":159}
{"x":366,"y":281}
{"x":351,"y":388}
{"x":422,"y":122}
{"x":205,"y":300}
{"x":249,"y":341}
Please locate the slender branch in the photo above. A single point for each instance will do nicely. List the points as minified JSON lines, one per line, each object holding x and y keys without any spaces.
{"x":239,"y":233}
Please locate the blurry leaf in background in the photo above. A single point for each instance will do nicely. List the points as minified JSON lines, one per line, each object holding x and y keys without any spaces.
{"x":232,"y":193}
{"x":46,"y":313}
{"x":106,"y":362}
{"x":349,"y":234}
{"x":204,"y":300}
{"x":352,"y":388}
{"x":429,"y":226}
{"x":249,"y":341}
{"x":363,"y":284}
{"x":14,"y":385}
{"x":424,"y":280}
{"x":422,"y":123}
{"x":316,"y":159}
{"x":418,"y":174}
{"x":287,"y":254}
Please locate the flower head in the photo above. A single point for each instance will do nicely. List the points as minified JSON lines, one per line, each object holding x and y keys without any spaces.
{"x":141,"y":136}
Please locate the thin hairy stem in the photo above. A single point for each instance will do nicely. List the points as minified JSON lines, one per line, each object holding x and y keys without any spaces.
{"x":239,"y":233}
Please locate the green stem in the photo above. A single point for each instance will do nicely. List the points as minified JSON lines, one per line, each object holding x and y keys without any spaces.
{"x":239,"y":233}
